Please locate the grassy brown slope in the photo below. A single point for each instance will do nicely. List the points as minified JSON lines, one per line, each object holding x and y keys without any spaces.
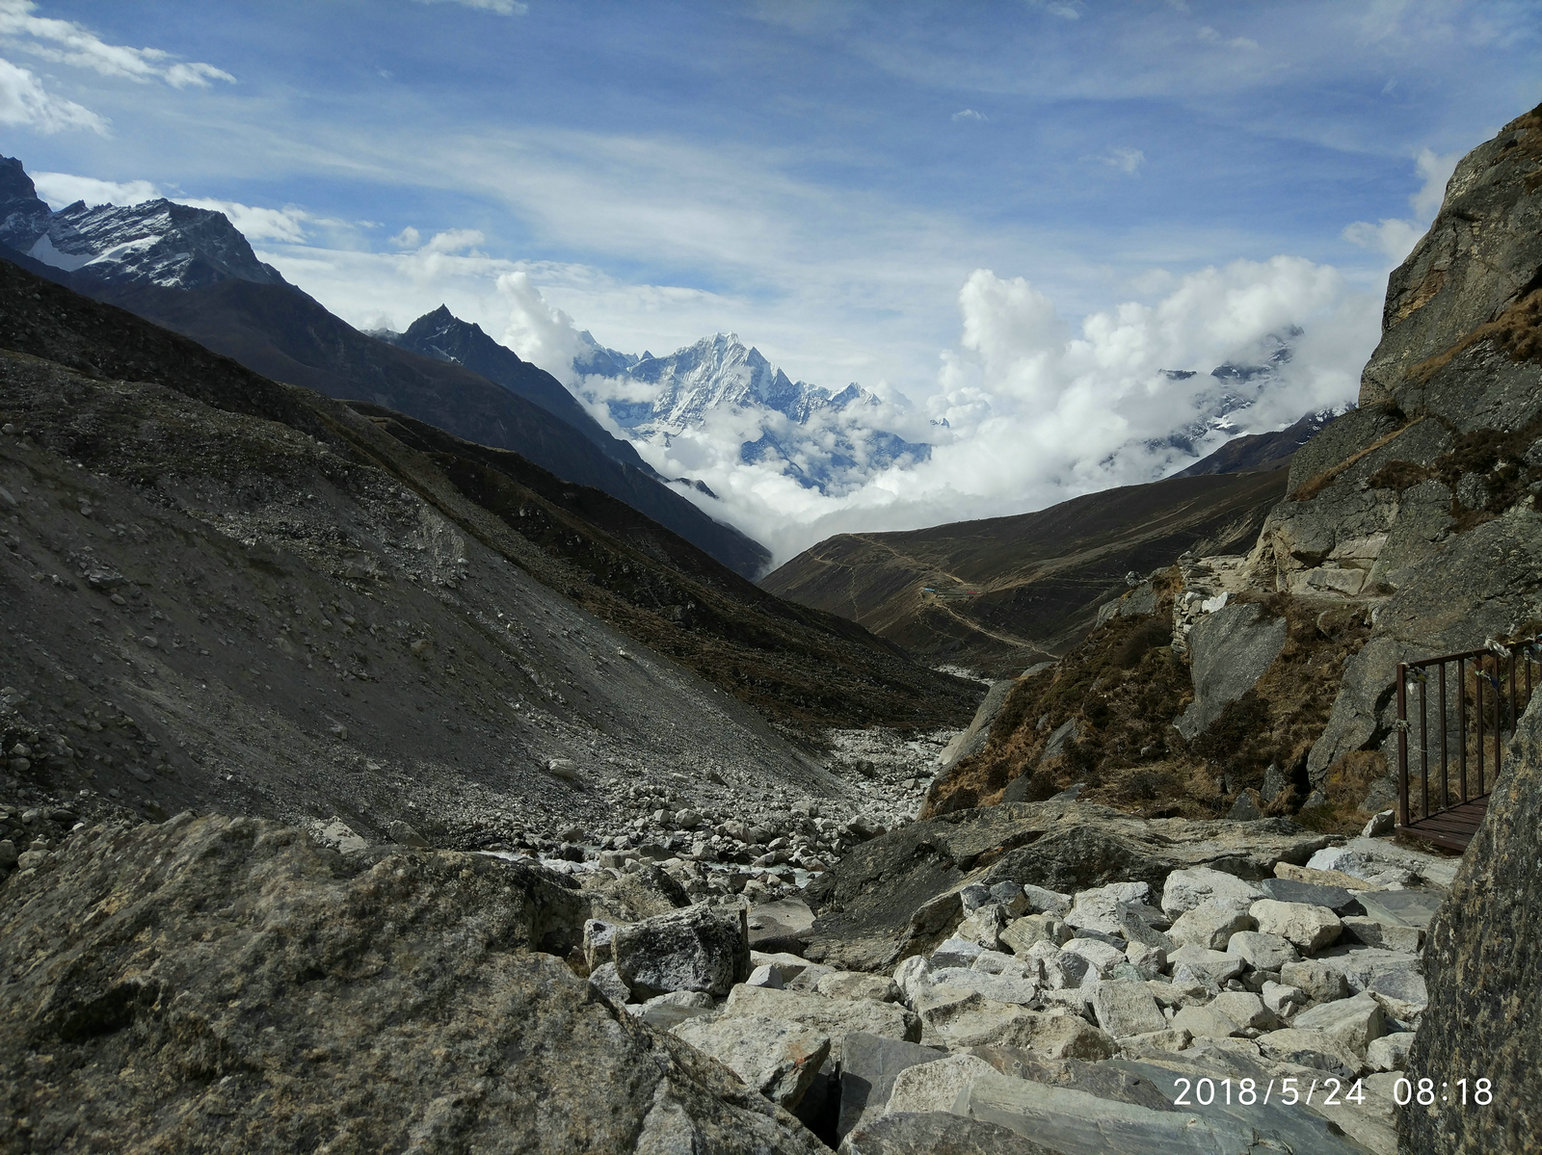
{"x":1039,"y":576}
{"x":1123,"y":686}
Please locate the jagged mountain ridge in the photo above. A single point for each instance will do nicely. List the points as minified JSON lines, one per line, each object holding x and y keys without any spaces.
{"x":192,"y":271}
{"x":827,"y":441}
{"x":158,"y":242}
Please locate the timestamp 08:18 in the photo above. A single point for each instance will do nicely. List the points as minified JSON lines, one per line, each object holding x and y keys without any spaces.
{"x":1426,"y":1092}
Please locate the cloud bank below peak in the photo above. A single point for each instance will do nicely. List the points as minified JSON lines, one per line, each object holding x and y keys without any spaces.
{"x":1038,"y":408}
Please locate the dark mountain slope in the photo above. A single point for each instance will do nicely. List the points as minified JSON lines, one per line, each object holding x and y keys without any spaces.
{"x":839,"y":664}
{"x":1004,"y":592}
{"x":284,"y":334}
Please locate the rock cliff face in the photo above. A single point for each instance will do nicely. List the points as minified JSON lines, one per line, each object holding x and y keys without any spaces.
{"x":1483,"y":967}
{"x":1422,"y":504}
{"x":1409,"y":528}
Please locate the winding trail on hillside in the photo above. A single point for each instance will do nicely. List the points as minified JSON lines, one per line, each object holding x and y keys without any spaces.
{"x":1005,"y":638}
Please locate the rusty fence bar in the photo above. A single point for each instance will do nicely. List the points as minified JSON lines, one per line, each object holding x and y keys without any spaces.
{"x":1481,"y":704}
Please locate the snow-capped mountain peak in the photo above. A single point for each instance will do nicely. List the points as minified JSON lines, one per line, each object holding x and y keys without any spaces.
{"x":825,"y":441}
{"x":159,"y":242}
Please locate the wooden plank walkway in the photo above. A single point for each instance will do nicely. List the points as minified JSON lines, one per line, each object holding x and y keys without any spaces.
{"x":1451,"y":828}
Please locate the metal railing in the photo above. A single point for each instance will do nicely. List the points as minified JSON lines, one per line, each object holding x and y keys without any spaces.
{"x":1478,"y":697}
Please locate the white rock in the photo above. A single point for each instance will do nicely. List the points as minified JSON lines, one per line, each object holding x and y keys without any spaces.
{"x":956,"y":952}
{"x":1390,"y":1052}
{"x":1127,"y":1008}
{"x":1211,"y":924}
{"x":1353,"y":1022}
{"x":1309,"y":928}
{"x":1318,"y":982}
{"x":1282,"y":999}
{"x":1101,"y":956}
{"x":766,"y":976}
{"x":1187,"y":888}
{"x":1262,"y":951}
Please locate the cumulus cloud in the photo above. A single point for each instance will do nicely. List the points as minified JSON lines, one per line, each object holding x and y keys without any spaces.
{"x":25,"y":102}
{"x":63,"y":188}
{"x":536,"y":331}
{"x":1395,"y":237}
{"x":68,"y":42}
{"x":1040,"y":408}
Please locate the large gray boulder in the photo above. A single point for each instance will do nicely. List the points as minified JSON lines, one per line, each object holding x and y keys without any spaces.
{"x":1473,"y":269}
{"x":1229,"y":651}
{"x":1483,"y":971}
{"x":696,"y":949}
{"x":226,"y":984}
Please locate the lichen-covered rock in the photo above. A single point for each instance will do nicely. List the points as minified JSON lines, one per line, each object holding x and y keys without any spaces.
{"x":777,"y":1058}
{"x":227,"y":984}
{"x":1483,"y":969}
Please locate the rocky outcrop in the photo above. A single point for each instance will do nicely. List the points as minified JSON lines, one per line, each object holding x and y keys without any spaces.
{"x":899,"y":894}
{"x":1484,"y":975}
{"x":1229,"y":651}
{"x":228,"y":985}
{"x":1422,"y":504}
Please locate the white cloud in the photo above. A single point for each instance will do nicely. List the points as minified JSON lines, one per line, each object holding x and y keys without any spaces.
{"x":536,"y":331}
{"x":969,"y":114}
{"x":1209,"y":35}
{"x":67,"y":42}
{"x":454,"y":241}
{"x":63,"y":188}
{"x":24,"y":101}
{"x":1040,"y":409}
{"x":1395,"y":237}
{"x":408,"y":238}
{"x":259,"y":224}
{"x":1125,"y":159}
{"x":502,"y":7}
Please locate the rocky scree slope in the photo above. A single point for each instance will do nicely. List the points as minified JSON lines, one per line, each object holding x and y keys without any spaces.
{"x":224,"y":593}
{"x":230,"y":982}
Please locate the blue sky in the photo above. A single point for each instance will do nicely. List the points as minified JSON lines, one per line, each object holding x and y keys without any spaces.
{"x":927,"y":197}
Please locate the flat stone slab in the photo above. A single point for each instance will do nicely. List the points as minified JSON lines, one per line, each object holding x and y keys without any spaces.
{"x":1411,"y":907}
{"x":835,"y":1017}
{"x":937,"y":1133}
{"x":1335,"y":898}
{"x":869,"y":1065}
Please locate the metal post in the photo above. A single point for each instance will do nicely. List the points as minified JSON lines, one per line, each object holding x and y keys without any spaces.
{"x":1402,"y":744}
{"x":1479,"y":677}
{"x":1424,"y":740}
{"x":1461,"y":720}
{"x":1445,"y":743}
